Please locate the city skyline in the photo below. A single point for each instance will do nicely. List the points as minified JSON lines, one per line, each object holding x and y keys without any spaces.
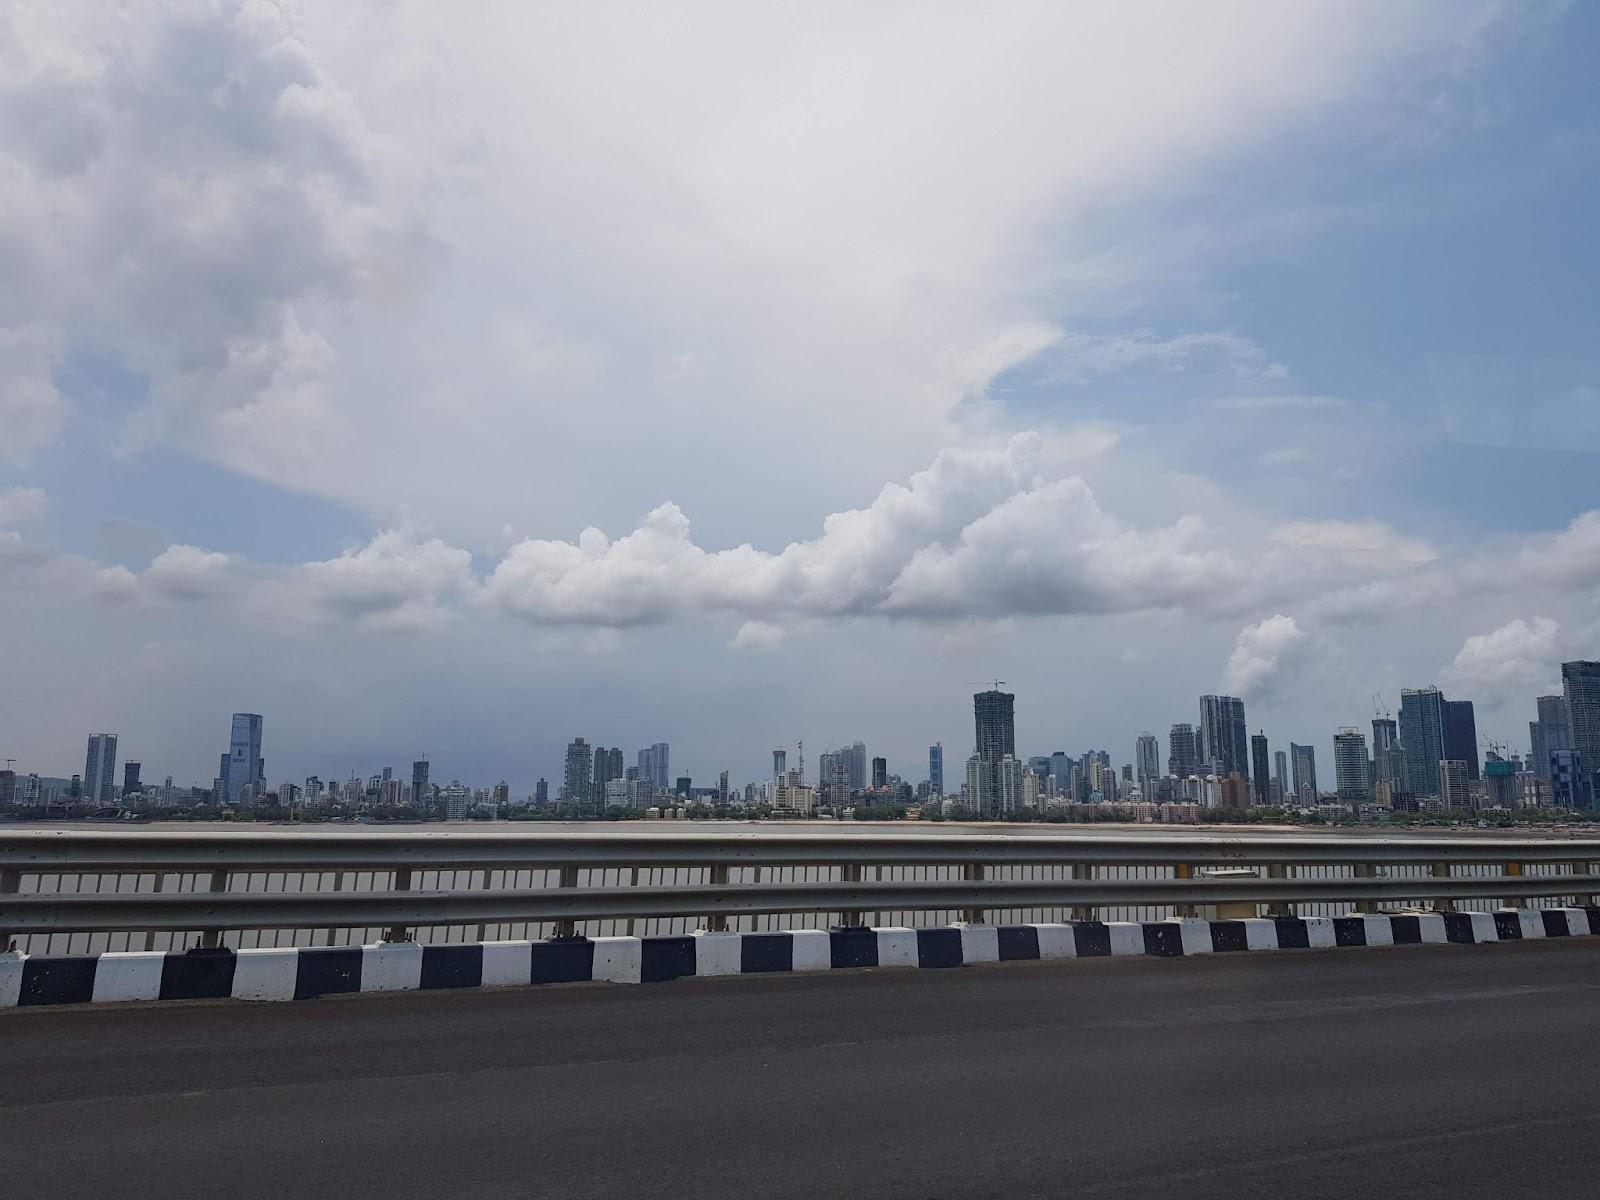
{"x":1363,"y":774}
{"x":1169,"y":358}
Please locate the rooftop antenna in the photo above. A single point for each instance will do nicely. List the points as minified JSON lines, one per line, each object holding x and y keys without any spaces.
{"x":800,"y":753}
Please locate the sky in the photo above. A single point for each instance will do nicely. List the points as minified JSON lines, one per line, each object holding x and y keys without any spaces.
{"x":460,"y":380}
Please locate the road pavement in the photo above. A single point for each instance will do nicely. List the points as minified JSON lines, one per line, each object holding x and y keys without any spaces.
{"x":1447,"y":1071}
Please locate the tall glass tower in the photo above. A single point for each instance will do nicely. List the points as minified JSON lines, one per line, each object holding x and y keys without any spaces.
{"x":1422,"y":719}
{"x":243,"y":765}
{"x":1581,"y":682}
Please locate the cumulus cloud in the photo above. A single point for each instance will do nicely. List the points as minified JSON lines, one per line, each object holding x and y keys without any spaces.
{"x":1513,"y":661}
{"x":977,"y":534}
{"x":1265,"y":657}
{"x":186,"y":189}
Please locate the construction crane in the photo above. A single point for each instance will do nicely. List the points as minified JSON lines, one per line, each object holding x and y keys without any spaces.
{"x":995,"y":684}
{"x":1378,"y":710}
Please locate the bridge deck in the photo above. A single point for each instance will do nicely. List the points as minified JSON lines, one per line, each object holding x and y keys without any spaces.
{"x":1383,"y":1072}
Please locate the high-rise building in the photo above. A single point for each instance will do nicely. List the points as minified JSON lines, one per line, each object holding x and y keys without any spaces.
{"x":607,"y":767}
{"x":995,"y":739}
{"x":8,"y":786}
{"x":541,"y":794}
{"x":1387,"y":767}
{"x":130,"y":778}
{"x":1183,"y":751}
{"x":1453,"y":789}
{"x":780,"y":763}
{"x":1552,"y":731}
{"x":1351,"y":771}
{"x":1060,"y":772}
{"x":100,"y":769}
{"x":1223,"y":735}
{"x":880,"y":772}
{"x":1461,"y":735}
{"x":936,"y":769}
{"x":1566,"y":785}
{"x":1260,"y":779}
{"x":421,"y":789}
{"x":1422,"y":722}
{"x":1303,"y":767}
{"x":242,"y":766}
{"x":1280,"y":774}
{"x":1580,"y":683}
{"x":577,"y":782}
{"x":722,"y":788}
{"x":654,"y":763}
{"x":1147,"y":762}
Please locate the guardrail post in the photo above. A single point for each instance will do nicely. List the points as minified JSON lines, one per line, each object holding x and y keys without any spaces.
{"x":1441,"y":870}
{"x":150,"y":937}
{"x":1279,"y":908}
{"x":972,"y":873}
{"x":1083,"y":912}
{"x":1366,"y":871}
{"x":210,"y":939}
{"x":1514,"y":871}
{"x":569,"y":879}
{"x":1185,"y":872}
{"x":717,"y":922}
{"x":402,"y":883}
{"x":1582,"y":868}
{"x":851,"y":873}
{"x":10,"y":885}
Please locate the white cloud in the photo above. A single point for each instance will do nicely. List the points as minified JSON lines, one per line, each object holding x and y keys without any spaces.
{"x":757,"y":635}
{"x":1368,"y":543}
{"x":22,"y":506}
{"x":1081,"y":357}
{"x":1265,"y":657}
{"x":1511,"y":662}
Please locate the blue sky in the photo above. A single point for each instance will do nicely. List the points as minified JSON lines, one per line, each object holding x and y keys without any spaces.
{"x":319,"y":363}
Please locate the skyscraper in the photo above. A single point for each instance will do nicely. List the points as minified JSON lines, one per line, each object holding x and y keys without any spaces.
{"x":1183,"y":751}
{"x":1461,"y":735}
{"x":1280,"y":774}
{"x":995,"y":738}
{"x":100,"y":769}
{"x":421,"y":790}
{"x":1351,"y":771}
{"x":242,"y":765}
{"x":1147,"y":762}
{"x":130,"y":778}
{"x":1580,"y":682}
{"x":780,"y":763}
{"x":577,"y":778}
{"x":1223,"y":735}
{"x":936,"y":769}
{"x":1422,"y":722}
{"x":1387,"y":768}
{"x":880,"y":772}
{"x":1552,"y":731}
{"x":654,"y":763}
{"x":1303,"y":765}
{"x":1260,"y":780}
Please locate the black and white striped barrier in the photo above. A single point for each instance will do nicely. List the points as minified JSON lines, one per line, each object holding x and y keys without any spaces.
{"x":291,"y":974}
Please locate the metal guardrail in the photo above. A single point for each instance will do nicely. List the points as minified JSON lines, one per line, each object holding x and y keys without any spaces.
{"x":1088,"y":871}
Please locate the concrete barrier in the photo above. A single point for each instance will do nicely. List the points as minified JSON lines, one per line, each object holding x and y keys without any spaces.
{"x":289,"y":974}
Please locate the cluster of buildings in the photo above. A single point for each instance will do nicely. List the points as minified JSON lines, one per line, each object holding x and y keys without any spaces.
{"x":1427,"y":759}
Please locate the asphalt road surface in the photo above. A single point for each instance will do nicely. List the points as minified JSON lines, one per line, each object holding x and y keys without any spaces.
{"x":1458,"y":1071}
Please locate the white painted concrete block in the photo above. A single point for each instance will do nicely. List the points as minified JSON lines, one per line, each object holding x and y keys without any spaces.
{"x":1532,"y":923}
{"x":717,"y":953}
{"x":1483,"y":929}
{"x":1056,"y":941}
{"x":265,"y":974}
{"x":1577,"y":922}
{"x":1127,"y":937}
{"x":391,"y":967}
{"x":11,"y":979}
{"x":813,"y":950}
{"x":1432,"y":926}
{"x":1320,"y":933}
{"x":131,"y":975}
{"x":1196,"y":935}
{"x":507,"y":964}
{"x":979,"y":943}
{"x":1379,"y":930}
{"x":897,"y":947}
{"x":617,"y":959}
{"x":1260,"y":933}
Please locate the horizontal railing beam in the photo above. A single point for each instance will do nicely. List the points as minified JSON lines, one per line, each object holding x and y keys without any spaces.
{"x":37,"y":852}
{"x":201,"y":911}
